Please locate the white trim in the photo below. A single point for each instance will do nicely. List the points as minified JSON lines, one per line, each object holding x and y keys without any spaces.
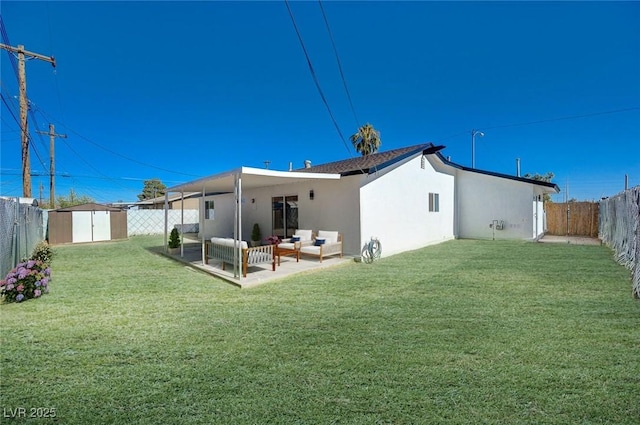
{"x":267,"y":178}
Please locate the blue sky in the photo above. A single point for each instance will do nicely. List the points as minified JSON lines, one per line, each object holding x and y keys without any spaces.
{"x":181,"y":90}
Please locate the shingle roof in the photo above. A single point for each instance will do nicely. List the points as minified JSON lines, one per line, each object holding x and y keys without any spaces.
{"x":380,"y":160}
{"x":366,"y":164}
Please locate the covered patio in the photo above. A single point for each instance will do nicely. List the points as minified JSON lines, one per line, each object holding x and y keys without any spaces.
{"x":233,"y":183}
{"x":191,"y":255}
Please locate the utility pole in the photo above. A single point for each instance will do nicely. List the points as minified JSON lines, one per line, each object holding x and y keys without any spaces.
{"x":22,"y":82}
{"x":52,"y":176}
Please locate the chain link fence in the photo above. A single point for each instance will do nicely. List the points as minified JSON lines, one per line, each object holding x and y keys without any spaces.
{"x":620,"y":230}
{"x":151,"y":222}
{"x":21,"y":228}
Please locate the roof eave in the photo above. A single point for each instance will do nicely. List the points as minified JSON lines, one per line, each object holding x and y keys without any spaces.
{"x":550,"y":185}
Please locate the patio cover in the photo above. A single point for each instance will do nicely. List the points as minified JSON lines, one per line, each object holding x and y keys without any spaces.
{"x":235,"y":181}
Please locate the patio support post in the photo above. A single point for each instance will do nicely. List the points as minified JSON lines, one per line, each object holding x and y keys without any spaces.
{"x":166,"y":219}
{"x":182,"y":224}
{"x":236,"y":227}
{"x":201,"y":226}
{"x":239,"y":226}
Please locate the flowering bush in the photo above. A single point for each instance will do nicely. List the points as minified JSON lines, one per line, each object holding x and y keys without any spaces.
{"x":272,"y":240}
{"x":29,"y":279}
{"x":42,"y":252}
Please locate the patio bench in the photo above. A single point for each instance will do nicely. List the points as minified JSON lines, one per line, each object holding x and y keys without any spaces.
{"x":222,"y":249}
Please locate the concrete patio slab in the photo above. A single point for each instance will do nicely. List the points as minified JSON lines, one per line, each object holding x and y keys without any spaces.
{"x":256,"y":275}
{"x":576,"y":240}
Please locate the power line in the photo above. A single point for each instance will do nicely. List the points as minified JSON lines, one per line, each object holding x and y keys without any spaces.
{"x":562,"y":118}
{"x":16,"y":172}
{"x":335,"y":50}
{"x":315,"y":78}
{"x":5,"y":39}
{"x":87,"y":162}
{"x":10,"y":110}
{"x":35,"y":150}
{"x":572,"y":117}
{"x":50,"y":118}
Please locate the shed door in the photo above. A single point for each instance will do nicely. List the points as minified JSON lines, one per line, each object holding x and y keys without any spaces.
{"x":81,"y":226}
{"x":101,"y":226}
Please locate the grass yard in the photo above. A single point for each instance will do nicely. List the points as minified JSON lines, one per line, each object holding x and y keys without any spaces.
{"x":466,"y":332}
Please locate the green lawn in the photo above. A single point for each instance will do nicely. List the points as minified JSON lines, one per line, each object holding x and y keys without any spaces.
{"x":466,"y":332}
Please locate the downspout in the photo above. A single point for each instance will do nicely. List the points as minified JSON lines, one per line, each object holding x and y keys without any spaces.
{"x":456,"y":205}
{"x":166,"y":219}
{"x":537,"y":235}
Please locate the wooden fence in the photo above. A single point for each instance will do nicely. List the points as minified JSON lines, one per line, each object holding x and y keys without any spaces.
{"x":572,"y":218}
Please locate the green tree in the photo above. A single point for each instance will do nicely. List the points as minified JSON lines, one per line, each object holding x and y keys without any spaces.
{"x":366,"y":140}
{"x":542,"y":178}
{"x":73,"y":199}
{"x":152,"y":189}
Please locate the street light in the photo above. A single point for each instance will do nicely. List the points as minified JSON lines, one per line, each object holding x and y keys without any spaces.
{"x":473,"y":146}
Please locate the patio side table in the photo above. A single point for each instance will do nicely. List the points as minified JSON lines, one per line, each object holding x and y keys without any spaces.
{"x":286,"y":251}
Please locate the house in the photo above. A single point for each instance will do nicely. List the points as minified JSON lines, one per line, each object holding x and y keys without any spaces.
{"x":407,"y":198}
{"x":176,"y":202}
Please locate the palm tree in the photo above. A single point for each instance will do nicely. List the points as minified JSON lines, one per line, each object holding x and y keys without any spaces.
{"x":366,"y":140}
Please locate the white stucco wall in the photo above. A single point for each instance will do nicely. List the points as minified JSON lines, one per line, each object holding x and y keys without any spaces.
{"x":335,"y":207}
{"x":482,"y":198}
{"x":222,"y":224}
{"x":394,"y":207}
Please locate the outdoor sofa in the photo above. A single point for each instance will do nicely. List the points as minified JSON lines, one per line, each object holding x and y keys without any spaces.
{"x":222,"y":249}
{"x":305,"y":237}
{"x":326,"y":243}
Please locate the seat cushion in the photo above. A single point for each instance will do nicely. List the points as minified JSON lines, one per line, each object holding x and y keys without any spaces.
{"x":311,"y":249}
{"x":305,"y":235}
{"x":330,"y":237}
{"x":287,"y":245}
{"x":227,"y":242}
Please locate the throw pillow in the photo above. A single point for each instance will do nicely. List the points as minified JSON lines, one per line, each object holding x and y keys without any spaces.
{"x":295,"y":238}
{"x":320,"y":241}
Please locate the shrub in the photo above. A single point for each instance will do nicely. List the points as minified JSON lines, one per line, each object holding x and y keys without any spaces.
{"x":27,"y":280}
{"x":174,"y":238}
{"x":256,"y":235}
{"x":43,"y":252}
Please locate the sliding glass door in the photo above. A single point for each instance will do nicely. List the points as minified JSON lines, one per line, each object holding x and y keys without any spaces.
{"x":285,"y":215}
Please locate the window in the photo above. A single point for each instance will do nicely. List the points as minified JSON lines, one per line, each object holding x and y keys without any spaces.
{"x":208,"y":210}
{"x":434,"y":202}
